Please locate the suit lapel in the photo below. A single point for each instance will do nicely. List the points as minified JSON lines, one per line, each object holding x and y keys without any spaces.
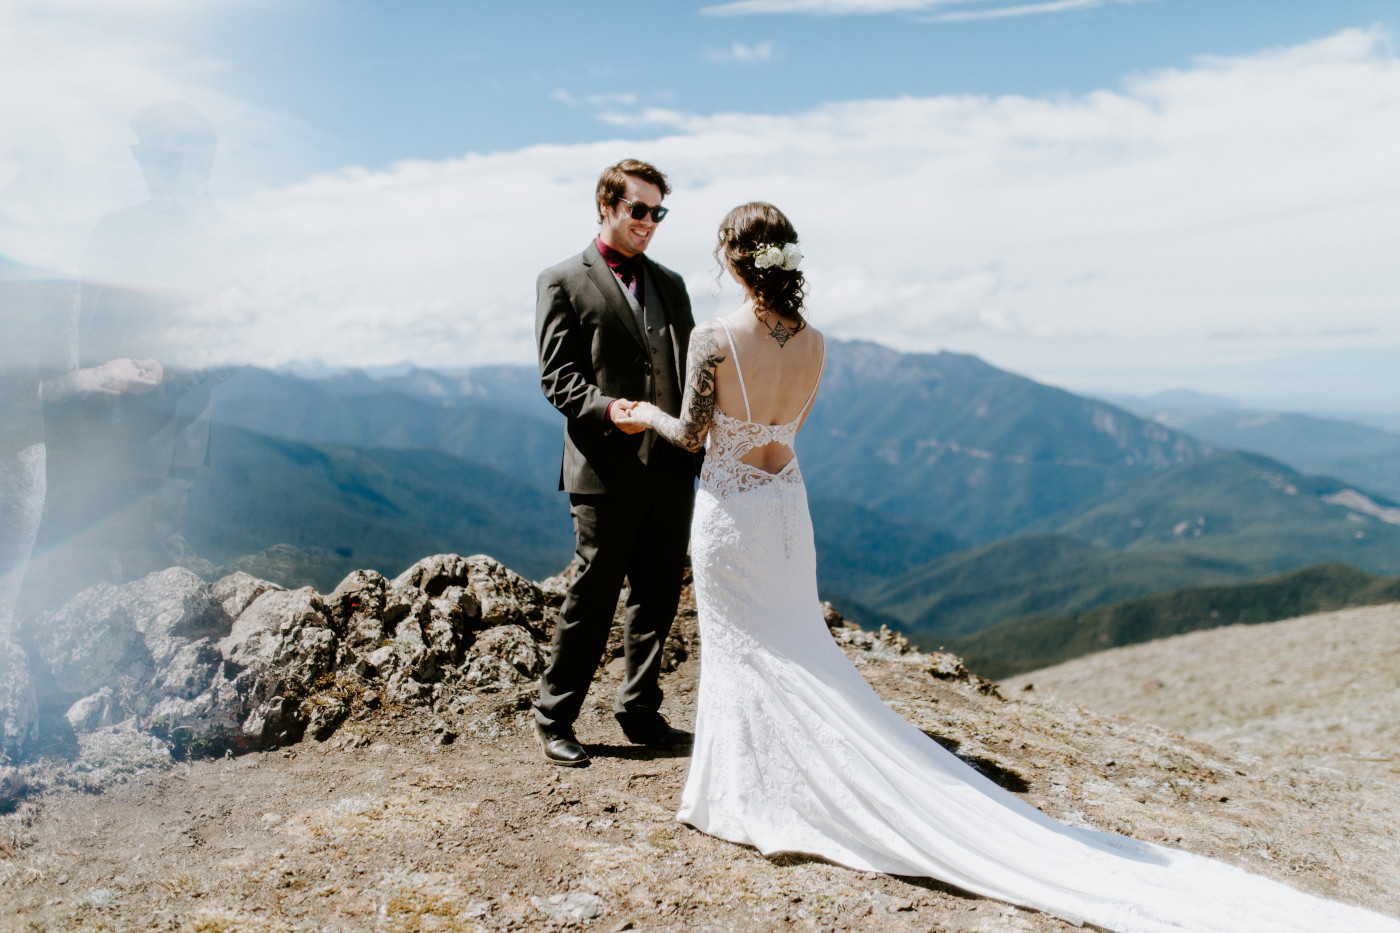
{"x":611,"y":291}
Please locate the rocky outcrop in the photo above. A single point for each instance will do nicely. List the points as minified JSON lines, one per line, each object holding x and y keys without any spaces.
{"x":244,"y":663}
{"x":19,"y":715}
{"x":142,"y":651}
{"x":237,"y":591}
{"x":950,"y":667}
{"x":503,"y":657}
{"x":11,"y":786}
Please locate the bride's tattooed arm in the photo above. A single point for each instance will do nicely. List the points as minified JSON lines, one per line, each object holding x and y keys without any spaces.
{"x":698,"y":406}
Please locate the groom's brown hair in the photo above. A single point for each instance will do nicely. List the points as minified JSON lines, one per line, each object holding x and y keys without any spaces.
{"x":613,"y":182}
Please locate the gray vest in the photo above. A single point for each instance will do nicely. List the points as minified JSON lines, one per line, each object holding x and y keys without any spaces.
{"x":656,"y":330}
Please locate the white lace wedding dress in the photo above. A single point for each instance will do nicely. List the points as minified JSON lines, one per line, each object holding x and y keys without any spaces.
{"x":794,"y":752}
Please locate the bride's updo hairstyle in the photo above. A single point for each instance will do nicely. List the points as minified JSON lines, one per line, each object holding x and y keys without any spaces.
{"x":774,"y":288}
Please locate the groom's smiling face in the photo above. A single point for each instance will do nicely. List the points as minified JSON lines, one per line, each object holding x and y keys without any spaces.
{"x":620,"y":231}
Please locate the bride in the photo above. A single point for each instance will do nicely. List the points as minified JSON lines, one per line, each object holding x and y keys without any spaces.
{"x":794,"y":752}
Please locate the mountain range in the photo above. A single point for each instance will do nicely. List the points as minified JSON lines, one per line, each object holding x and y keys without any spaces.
{"x":1366,"y":455}
{"x":954,"y":443}
{"x":1227,"y":517}
{"x":948,"y":496}
{"x":1021,"y":645}
{"x":311,"y":513}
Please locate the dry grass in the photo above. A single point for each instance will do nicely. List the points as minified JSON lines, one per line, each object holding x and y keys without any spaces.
{"x":429,"y":902}
{"x":233,"y":920}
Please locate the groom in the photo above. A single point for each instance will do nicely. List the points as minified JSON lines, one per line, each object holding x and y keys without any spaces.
{"x":613,"y":327}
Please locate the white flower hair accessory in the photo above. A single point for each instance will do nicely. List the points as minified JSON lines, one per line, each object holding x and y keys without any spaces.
{"x":788,"y":256}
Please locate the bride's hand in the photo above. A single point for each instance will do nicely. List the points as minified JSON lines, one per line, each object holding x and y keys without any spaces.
{"x":637,"y":417}
{"x":622,"y":416}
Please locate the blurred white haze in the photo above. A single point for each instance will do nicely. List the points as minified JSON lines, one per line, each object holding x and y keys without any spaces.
{"x":1115,"y":197}
{"x":1231,"y":225}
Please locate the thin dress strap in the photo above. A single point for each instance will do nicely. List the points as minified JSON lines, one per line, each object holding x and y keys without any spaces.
{"x":740,"y":370}
{"x":821,"y":372}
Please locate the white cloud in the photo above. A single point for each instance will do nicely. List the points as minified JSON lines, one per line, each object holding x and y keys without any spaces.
{"x":1024,"y":9}
{"x":820,"y":7}
{"x":759,"y":52}
{"x":1112,"y":232}
{"x":1001,"y":10}
{"x":594,"y":100}
{"x":1254,"y":194}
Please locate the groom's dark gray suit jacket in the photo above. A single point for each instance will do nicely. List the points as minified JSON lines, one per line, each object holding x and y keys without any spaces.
{"x":592,"y":351}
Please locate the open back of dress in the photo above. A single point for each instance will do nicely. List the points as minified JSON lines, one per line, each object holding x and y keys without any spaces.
{"x":794,"y":752}
{"x":732,"y":441}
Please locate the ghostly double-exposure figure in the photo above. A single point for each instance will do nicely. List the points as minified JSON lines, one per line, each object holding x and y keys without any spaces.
{"x":33,"y":306}
{"x":108,"y":432}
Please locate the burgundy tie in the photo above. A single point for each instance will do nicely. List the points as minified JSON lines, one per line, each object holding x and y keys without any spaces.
{"x":628,"y":273}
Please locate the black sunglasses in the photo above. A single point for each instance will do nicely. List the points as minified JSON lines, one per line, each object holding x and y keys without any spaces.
{"x":640,"y":210}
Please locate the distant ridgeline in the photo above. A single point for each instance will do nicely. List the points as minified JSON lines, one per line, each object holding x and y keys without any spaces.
{"x":1368,"y":456}
{"x":913,"y":456}
{"x":948,"y":496}
{"x":1022,"y":645}
{"x":307,"y":514}
{"x":1228,"y":517}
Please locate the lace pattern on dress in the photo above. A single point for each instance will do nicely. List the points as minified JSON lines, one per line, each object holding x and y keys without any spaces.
{"x":731,"y":439}
{"x":794,"y":752}
{"x":725,"y":474}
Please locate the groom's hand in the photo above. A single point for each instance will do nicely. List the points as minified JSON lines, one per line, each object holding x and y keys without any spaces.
{"x":621,"y":413}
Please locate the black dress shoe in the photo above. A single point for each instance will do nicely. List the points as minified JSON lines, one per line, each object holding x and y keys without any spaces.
{"x":560,"y":746}
{"x":651,"y":729}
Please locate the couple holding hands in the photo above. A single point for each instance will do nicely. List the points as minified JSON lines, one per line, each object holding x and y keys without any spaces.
{"x":792,"y":751}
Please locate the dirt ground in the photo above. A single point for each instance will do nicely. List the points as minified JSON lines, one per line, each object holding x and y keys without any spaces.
{"x":410,"y":821}
{"x":1322,"y":690}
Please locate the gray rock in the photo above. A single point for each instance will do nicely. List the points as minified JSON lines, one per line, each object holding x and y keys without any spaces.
{"x":360,"y":591}
{"x":357,"y":610}
{"x":281,"y":644}
{"x":944,"y":665}
{"x":90,"y":643}
{"x":287,"y":631}
{"x":19,"y":712}
{"x":237,"y":591}
{"x":403,"y":688}
{"x":506,"y":597}
{"x":429,"y":617}
{"x":12,"y":786}
{"x":834,"y":619}
{"x":412,"y":650}
{"x":575,"y":907}
{"x":276,"y":720}
{"x":361,"y":595}
{"x":172,"y":608}
{"x":433,"y":575}
{"x":111,"y":653}
{"x":248,"y":664}
{"x":382,"y":660}
{"x":400,"y":602}
{"x":501,"y":658}
{"x":189,"y":673}
{"x":95,"y":711}
{"x":210,"y":721}
{"x":449,"y":624}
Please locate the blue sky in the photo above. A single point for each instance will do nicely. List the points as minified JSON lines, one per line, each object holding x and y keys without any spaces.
{"x":1109,"y":195}
{"x":431,"y":80}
